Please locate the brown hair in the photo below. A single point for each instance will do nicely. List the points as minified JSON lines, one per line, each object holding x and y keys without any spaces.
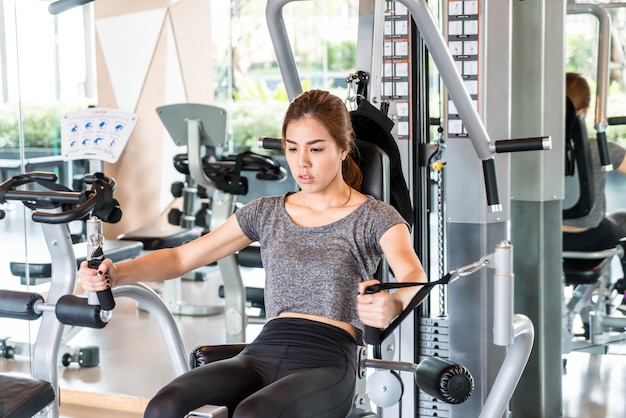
{"x":330,"y":111}
{"x":577,"y":89}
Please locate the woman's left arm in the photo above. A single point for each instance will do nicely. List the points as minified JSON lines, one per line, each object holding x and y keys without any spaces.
{"x":378,"y":309}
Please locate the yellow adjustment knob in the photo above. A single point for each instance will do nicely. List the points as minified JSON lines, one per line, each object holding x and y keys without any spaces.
{"x":437,"y":165}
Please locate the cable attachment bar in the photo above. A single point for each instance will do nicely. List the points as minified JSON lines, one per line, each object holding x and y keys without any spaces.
{"x":375,"y":336}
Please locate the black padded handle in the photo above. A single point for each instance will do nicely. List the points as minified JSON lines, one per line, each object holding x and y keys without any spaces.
{"x":523,"y":144}
{"x":107,"y":302}
{"x":74,"y":310}
{"x":270,"y":143}
{"x":491,"y":185}
{"x":617,"y":120}
{"x":603,"y":150}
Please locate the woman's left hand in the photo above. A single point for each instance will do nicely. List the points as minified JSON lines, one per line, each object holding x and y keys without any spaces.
{"x":375,"y":309}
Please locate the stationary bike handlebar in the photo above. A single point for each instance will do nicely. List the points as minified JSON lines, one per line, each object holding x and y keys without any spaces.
{"x":76,"y":205}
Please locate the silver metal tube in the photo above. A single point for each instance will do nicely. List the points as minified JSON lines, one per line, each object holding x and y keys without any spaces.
{"x":152,"y":303}
{"x":503,"y":293}
{"x":591,"y":255}
{"x":46,"y":349}
{"x":390,"y":365}
{"x":41,"y":306}
{"x":612,"y":321}
{"x":234,"y":290}
{"x":95,"y":239}
{"x":282,"y":47}
{"x":194,"y":153}
{"x":511,"y":370}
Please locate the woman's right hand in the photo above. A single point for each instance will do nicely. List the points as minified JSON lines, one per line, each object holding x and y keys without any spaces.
{"x":95,"y":280}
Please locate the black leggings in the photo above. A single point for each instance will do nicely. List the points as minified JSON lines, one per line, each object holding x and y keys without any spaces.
{"x":295,"y":368}
{"x":608,"y":234}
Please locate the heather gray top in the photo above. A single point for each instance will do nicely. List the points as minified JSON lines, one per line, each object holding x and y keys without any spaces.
{"x":598,"y":209}
{"x":316,"y":270}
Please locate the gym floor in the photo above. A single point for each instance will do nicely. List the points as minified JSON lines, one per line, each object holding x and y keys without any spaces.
{"x":134,"y":363}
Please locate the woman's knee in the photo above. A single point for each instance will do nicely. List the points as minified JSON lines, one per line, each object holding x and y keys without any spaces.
{"x":168,"y":403}
{"x":159,"y":408}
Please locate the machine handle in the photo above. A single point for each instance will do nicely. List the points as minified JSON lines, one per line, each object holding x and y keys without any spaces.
{"x":541,"y":143}
{"x":617,"y":120}
{"x":270,"y":143}
{"x":491,"y":186}
{"x":78,"y":205}
{"x":105,"y":297}
{"x":603,"y":150}
{"x":375,"y":336}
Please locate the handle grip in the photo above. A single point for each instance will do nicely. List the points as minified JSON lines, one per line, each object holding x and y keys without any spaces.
{"x":372,"y":335}
{"x":603,"y":150}
{"x":105,"y":297}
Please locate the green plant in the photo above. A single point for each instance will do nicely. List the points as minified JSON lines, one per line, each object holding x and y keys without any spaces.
{"x":253,"y":119}
{"x":40,"y":125}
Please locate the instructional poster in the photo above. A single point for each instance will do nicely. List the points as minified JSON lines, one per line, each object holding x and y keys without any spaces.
{"x":96,"y":134}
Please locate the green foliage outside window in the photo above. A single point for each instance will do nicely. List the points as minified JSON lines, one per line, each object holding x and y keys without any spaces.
{"x":41,"y":126}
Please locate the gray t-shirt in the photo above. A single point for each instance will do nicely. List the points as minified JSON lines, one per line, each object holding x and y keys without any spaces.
{"x":598,"y":210}
{"x":316,"y":270}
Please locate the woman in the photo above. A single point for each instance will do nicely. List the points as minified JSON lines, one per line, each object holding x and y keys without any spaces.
{"x":320,"y":248}
{"x":595,"y":231}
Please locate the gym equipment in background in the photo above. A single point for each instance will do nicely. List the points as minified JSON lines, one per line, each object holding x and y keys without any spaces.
{"x":54,"y":207}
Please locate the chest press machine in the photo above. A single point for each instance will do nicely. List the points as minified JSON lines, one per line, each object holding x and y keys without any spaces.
{"x":514,"y":331}
{"x":439,"y":378}
{"x":53,"y":207}
{"x":447,"y":380}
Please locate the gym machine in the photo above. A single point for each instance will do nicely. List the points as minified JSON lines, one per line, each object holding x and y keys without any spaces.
{"x":442,"y":382}
{"x":53,"y":207}
{"x":589,"y":274}
{"x":473,"y":135}
{"x":202,"y":129}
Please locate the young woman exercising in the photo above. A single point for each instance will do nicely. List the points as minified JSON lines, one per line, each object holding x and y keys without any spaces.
{"x":320,"y":248}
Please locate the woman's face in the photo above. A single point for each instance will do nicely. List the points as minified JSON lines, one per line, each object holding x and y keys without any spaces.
{"x":313,"y":155}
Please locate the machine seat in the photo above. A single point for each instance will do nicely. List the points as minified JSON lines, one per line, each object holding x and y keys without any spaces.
{"x":157,"y":238}
{"x":23,"y":397}
{"x":583,"y":271}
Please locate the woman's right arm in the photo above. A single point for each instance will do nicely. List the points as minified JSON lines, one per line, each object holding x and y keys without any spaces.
{"x":168,"y":263}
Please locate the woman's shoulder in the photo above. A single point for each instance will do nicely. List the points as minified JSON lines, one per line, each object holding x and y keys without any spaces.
{"x":265,"y":203}
{"x":372,"y":203}
{"x":380,"y":209}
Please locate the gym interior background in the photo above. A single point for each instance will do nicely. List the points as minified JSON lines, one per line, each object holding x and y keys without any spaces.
{"x":141,"y":54}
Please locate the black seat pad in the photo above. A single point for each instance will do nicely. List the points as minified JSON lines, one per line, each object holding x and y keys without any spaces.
{"x":23,"y":397}
{"x":583,"y":271}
